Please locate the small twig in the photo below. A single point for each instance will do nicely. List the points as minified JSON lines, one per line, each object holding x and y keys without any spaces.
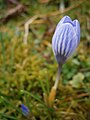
{"x":84,"y":69}
{"x":67,"y":9}
{"x":27,"y":28}
{"x":68,"y":110}
{"x":83,"y":95}
{"x":70,"y":113}
{"x":14,"y":11}
{"x":13,"y":2}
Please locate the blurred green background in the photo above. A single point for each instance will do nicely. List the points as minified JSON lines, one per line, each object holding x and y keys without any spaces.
{"x":29,"y":70}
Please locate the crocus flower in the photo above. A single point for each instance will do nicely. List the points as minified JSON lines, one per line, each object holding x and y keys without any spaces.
{"x":64,"y":42}
{"x":25,"y":110}
{"x":65,"y":39}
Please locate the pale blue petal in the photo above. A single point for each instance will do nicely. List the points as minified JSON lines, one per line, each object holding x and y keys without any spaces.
{"x":77,"y":28}
{"x":72,"y":40}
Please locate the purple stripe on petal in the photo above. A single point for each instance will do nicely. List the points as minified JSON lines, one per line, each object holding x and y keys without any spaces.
{"x":69,"y":37}
{"x":70,"y":46}
{"x":65,"y":41}
{"x":73,"y":44}
{"x":56,"y":45}
{"x":62,"y":40}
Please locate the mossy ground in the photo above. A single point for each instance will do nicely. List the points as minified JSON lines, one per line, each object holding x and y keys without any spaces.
{"x":28,"y":71}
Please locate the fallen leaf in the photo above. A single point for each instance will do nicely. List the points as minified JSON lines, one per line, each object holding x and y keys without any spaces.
{"x":77,"y":80}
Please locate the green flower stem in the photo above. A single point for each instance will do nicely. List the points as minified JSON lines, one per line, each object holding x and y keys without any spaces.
{"x":54,"y":88}
{"x":58,"y":76}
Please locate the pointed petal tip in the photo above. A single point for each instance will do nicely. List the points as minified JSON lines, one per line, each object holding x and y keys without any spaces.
{"x":76,"y":22}
{"x":66,"y":19}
